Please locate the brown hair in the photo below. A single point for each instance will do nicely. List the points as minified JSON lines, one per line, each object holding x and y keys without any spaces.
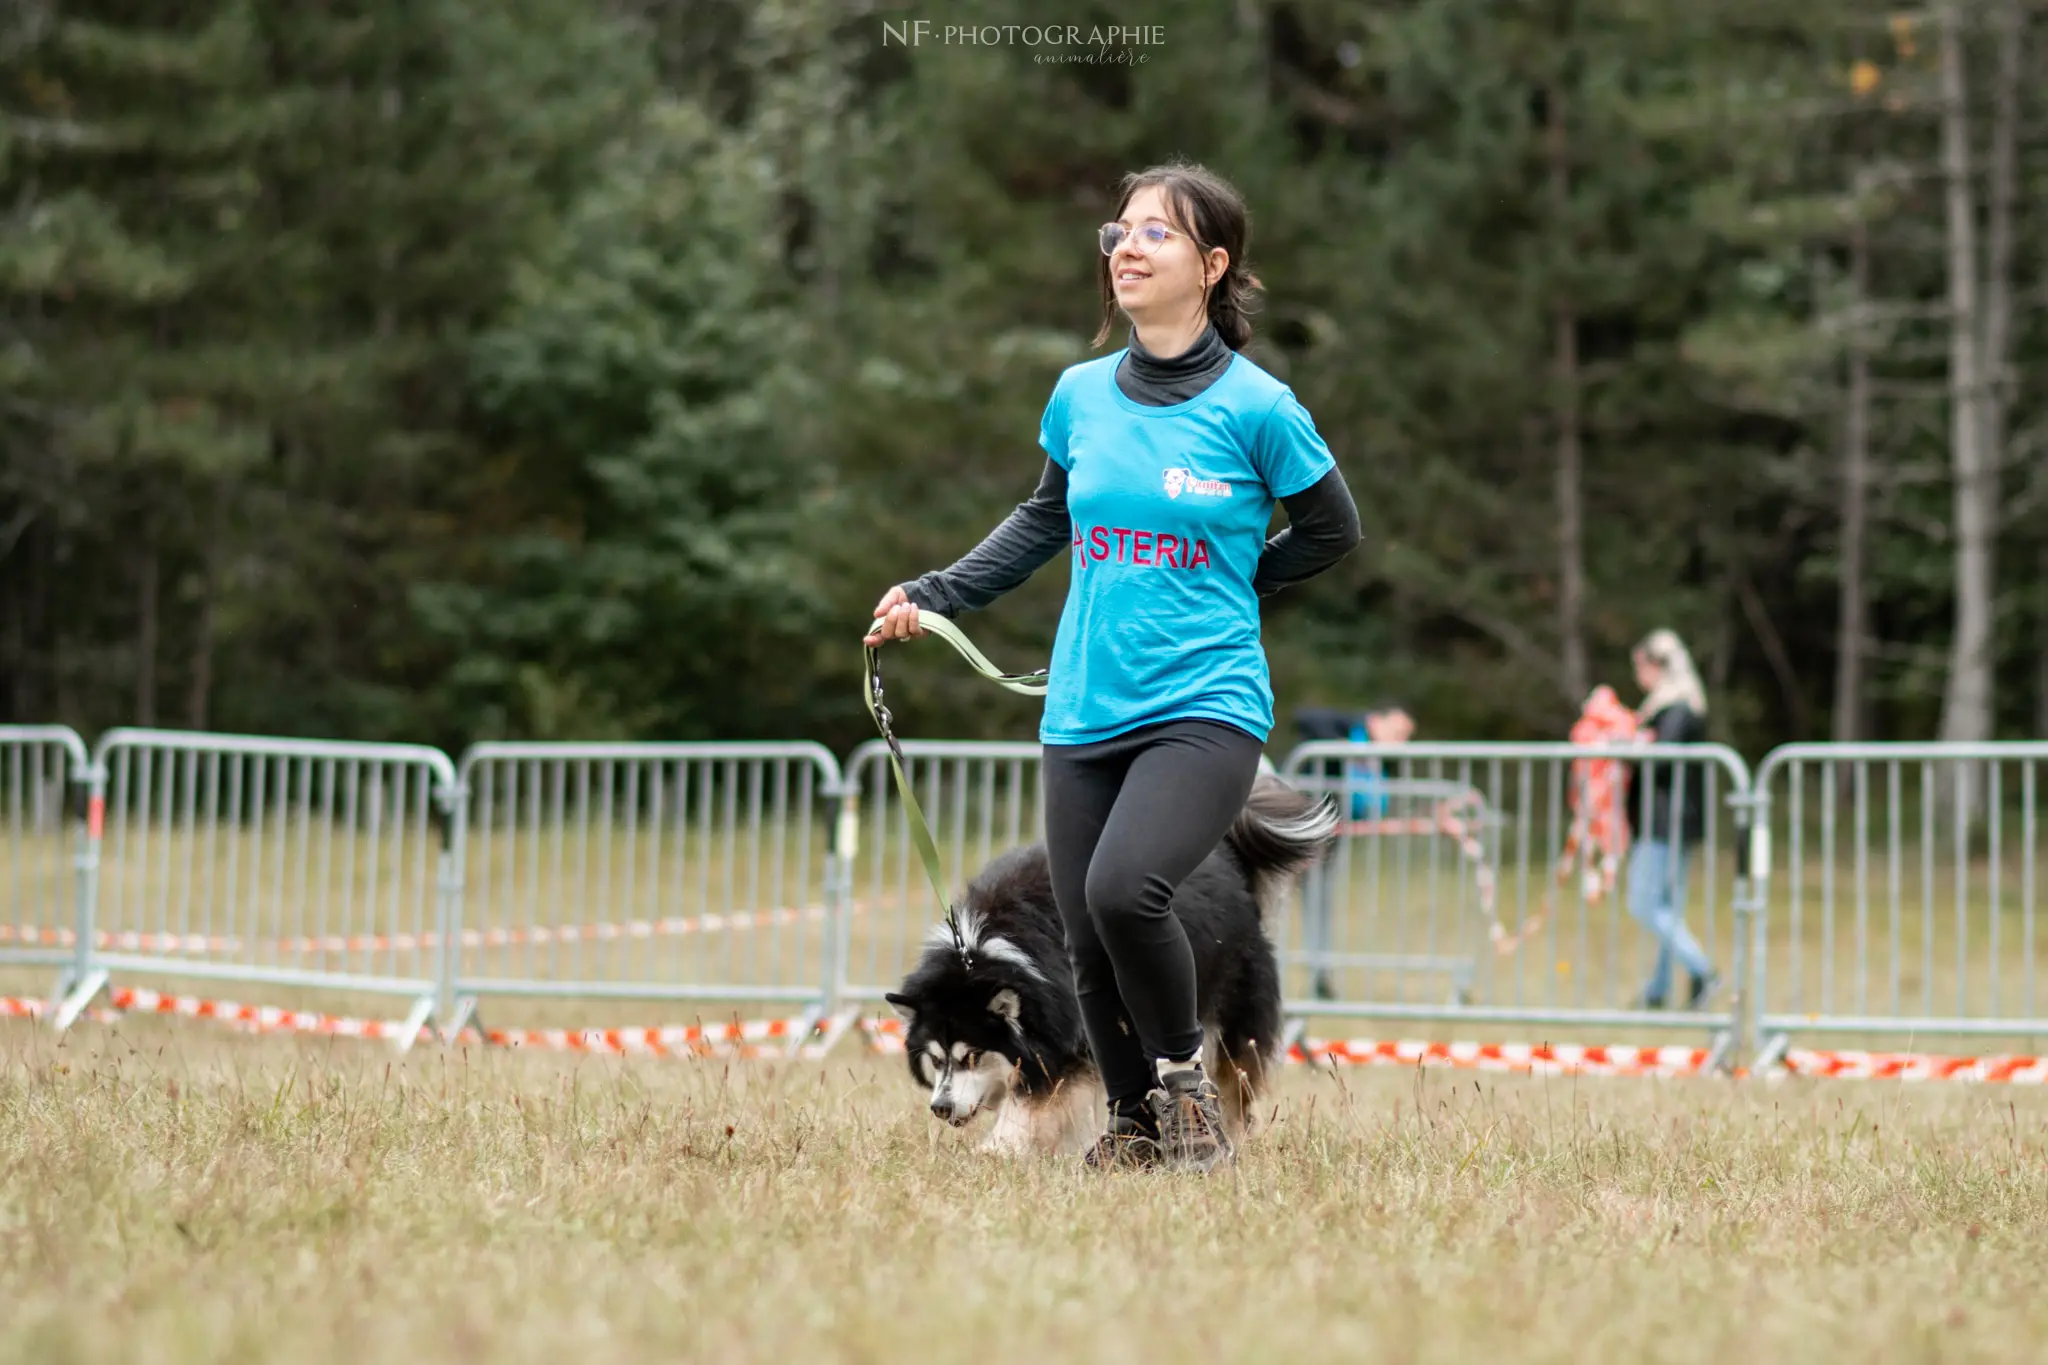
{"x":1209,"y":209}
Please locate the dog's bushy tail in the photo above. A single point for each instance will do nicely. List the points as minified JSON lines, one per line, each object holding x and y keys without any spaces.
{"x":1281,"y":831}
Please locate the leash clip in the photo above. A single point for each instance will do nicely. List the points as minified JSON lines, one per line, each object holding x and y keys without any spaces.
{"x":959,"y":939}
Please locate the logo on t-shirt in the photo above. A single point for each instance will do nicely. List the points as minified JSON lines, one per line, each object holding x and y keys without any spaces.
{"x":1180,"y":481}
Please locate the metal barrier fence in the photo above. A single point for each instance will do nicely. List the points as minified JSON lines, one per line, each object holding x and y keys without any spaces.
{"x":285,"y":862}
{"x":758,"y":873}
{"x":979,"y":798}
{"x":1443,"y":898}
{"x":45,"y":862}
{"x":647,"y":871}
{"x":1452,"y":827}
{"x":1904,"y":892}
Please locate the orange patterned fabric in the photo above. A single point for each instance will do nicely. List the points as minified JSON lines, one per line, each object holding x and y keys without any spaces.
{"x":1598,"y":841}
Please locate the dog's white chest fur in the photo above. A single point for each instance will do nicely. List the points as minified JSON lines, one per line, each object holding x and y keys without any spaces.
{"x":1063,"y":1124}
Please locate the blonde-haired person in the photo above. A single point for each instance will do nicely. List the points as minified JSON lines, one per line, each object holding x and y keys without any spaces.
{"x":1668,"y":813}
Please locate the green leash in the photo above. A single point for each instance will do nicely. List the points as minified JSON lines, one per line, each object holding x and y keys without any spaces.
{"x":1025,"y":684}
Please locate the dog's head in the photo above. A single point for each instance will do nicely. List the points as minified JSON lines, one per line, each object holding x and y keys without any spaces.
{"x":965,"y":1042}
{"x":989,"y":1010}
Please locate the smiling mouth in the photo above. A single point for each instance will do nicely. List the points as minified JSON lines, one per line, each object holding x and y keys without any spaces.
{"x":961,"y":1121}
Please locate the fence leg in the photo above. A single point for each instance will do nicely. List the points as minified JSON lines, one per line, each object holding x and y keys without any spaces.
{"x":74,"y":1004}
{"x":828,"y":1020}
{"x":1771,"y":1054}
{"x":1294,"y":1035}
{"x":839,"y":864}
{"x":448,"y":919}
{"x":1754,"y":906}
{"x":1721,"y":1053}
{"x":82,"y":981}
{"x":422,"y":1010}
{"x":1730,"y":1047}
{"x":464,"y":1014}
{"x":806,"y":1025}
{"x":448,"y":888}
{"x":831,"y":1030}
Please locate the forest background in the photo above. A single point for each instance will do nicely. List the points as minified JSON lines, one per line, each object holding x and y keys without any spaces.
{"x":445,"y":370}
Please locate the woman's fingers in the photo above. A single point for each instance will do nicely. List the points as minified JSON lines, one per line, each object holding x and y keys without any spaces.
{"x":881,"y":630}
{"x":895,"y":620}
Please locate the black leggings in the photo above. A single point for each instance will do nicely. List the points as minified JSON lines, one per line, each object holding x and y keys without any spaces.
{"x":1126,"y":821}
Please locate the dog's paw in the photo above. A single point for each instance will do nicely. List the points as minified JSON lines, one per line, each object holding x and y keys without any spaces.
{"x":1013,"y":1133}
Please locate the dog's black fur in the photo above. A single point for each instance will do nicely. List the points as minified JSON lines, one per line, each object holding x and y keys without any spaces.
{"x":992,"y":1021}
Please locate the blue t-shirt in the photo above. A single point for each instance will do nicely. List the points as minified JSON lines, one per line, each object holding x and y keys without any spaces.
{"x":1170,"y":507}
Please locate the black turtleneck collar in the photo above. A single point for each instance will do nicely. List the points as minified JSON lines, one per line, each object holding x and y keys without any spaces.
{"x":1145,"y":378}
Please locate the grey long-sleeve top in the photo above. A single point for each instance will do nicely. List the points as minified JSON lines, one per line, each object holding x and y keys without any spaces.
{"x":1322,"y":518}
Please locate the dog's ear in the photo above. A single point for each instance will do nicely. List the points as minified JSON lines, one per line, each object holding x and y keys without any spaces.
{"x":1004,"y":1004}
{"x":904,"y":1005}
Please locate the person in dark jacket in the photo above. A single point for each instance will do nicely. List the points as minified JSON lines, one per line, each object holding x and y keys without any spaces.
{"x":1389,"y":722}
{"x":1668,"y":815}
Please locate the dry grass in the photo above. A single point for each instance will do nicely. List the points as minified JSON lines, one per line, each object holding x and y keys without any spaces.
{"x":178,"y":1194}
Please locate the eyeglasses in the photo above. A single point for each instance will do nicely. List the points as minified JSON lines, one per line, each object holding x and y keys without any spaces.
{"x":1146,"y":237}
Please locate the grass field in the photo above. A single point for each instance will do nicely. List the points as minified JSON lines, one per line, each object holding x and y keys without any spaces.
{"x":180,"y":1194}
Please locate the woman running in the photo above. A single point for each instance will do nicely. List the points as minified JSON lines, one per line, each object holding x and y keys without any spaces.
{"x":1163,"y":463}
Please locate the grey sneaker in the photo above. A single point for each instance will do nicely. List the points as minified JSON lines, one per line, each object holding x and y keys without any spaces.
{"x":1126,"y":1145}
{"x":1191,"y":1121}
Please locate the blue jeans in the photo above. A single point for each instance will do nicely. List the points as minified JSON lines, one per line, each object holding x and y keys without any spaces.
{"x":1656,"y":897}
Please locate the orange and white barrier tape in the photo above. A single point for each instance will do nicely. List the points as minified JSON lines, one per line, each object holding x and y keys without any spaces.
{"x":131,"y":941}
{"x":695,"y":1040}
{"x":15,"y":1007}
{"x":748,"y":1037}
{"x":1536,"y":1059}
{"x":754,"y":1037}
{"x":886,"y":1035}
{"x":882,"y":1034}
{"x":1914,"y":1066}
{"x":681,"y":1040}
{"x":255,"y":1018}
{"x":136,"y":941}
{"x":602,"y":931}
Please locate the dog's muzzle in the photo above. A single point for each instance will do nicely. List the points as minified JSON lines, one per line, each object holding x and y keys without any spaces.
{"x":962,"y":1092}
{"x":952,"y":1113}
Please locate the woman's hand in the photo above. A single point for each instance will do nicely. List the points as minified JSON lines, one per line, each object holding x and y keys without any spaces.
{"x":896,"y":618}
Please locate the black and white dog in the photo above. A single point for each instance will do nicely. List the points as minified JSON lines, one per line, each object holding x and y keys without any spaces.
{"x":991,"y":1021}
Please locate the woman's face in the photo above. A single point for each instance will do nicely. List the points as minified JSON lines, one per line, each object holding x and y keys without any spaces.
{"x":1648,"y":670}
{"x":1169,"y":282}
{"x":1389,"y":727}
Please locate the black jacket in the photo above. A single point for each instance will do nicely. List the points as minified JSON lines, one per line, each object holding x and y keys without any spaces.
{"x":1661,"y":783}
